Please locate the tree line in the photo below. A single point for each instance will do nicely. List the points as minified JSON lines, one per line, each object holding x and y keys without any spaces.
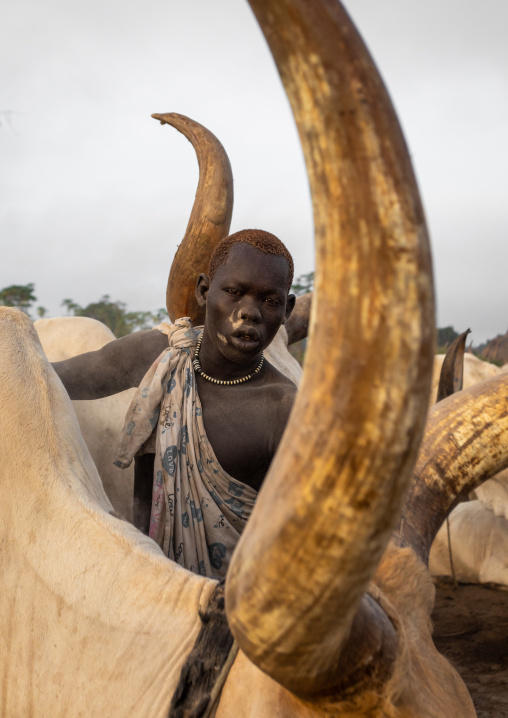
{"x":114,"y":314}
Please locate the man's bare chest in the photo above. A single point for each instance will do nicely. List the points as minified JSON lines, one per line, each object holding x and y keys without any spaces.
{"x":239,"y":424}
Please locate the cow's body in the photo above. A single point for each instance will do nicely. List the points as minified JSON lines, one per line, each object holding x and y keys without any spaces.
{"x":482,"y":559}
{"x":475,"y":370}
{"x":98,"y":622}
{"x":478,"y":529}
{"x":479,"y":544}
{"x":102,"y":419}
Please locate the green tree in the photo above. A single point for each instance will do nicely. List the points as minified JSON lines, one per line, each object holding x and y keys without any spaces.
{"x":115,"y":316}
{"x":160,"y":315}
{"x":303,"y":284}
{"x":70,"y":305}
{"x":444,"y":337}
{"x":18,"y":295}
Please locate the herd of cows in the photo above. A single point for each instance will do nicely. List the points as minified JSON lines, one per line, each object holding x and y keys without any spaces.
{"x":478,"y":527}
{"x":84,"y":645}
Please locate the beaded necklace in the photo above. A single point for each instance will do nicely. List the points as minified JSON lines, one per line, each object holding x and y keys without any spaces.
{"x":230,"y":382}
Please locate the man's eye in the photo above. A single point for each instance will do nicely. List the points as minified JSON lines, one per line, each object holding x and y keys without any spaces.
{"x":272,"y":301}
{"x":229,"y":290}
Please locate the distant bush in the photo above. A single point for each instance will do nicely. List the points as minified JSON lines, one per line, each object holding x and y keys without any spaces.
{"x":496,"y":362}
{"x":113,"y":314}
{"x":303,"y":284}
{"x":444,"y":337}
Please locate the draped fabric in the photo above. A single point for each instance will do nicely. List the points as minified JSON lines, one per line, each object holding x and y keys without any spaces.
{"x":198,"y":509}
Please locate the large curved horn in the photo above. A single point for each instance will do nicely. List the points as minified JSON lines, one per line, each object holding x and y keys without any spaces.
{"x":330,"y":500}
{"x":209,"y":221}
{"x":466,"y":443}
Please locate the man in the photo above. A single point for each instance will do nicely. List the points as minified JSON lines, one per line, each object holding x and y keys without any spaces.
{"x":214,"y":406}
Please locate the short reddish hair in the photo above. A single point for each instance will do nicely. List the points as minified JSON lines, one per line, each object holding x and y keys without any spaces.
{"x":264,"y":241}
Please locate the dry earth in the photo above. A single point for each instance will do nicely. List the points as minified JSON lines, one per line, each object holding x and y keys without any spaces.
{"x":471,"y":630}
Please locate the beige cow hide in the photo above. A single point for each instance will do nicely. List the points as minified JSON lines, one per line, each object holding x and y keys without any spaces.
{"x":97,"y":622}
{"x":479,"y":541}
{"x":100,"y":420}
{"x":475,"y":370}
{"x":479,"y":529}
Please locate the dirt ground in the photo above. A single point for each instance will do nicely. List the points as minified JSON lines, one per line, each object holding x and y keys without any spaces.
{"x":471,"y":630}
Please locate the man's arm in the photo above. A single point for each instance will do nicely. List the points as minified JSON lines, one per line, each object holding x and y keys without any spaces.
{"x":119,"y":365}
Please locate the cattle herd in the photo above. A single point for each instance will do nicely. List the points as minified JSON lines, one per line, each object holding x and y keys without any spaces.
{"x":330,"y":593}
{"x":478,"y":527}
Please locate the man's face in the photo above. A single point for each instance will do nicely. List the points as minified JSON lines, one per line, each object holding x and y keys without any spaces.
{"x":246,"y":302}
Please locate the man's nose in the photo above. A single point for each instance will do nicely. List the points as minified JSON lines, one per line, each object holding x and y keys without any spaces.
{"x":250,"y":310}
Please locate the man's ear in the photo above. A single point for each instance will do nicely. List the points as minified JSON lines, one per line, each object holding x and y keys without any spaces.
{"x":202,"y":287}
{"x":290,"y":305}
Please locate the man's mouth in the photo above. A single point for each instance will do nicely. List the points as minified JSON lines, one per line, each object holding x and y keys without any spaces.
{"x":248,"y":334}
{"x":246,"y":339}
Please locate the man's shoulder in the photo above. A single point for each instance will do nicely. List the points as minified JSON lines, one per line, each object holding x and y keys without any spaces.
{"x":275,"y":378}
{"x":281,"y":395}
{"x":281,"y":390}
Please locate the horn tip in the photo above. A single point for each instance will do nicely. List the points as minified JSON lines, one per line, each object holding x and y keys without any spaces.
{"x":162,"y":118}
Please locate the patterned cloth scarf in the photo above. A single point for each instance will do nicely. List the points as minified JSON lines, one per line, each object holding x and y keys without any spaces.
{"x":198,"y":510}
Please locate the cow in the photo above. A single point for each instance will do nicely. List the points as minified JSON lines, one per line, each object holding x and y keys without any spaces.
{"x":478,"y":544}
{"x":472,"y":545}
{"x":328,"y":595}
{"x":475,"y":370}
{"x":99,"y":622}
{"x":101,"y":420}
{"x":65,"y":337}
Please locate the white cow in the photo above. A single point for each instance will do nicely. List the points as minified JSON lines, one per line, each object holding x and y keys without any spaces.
{"x":66,"y":337}
{"x":479,"y":544}
{"x":278,"y":355}
{"x":98,"y":622}
{"x":478,"y":528}
{"x":100,"y":420}
{"x":494,"y":494}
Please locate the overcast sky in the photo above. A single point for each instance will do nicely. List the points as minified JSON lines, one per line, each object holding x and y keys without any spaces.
{"x":95,"y":195}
